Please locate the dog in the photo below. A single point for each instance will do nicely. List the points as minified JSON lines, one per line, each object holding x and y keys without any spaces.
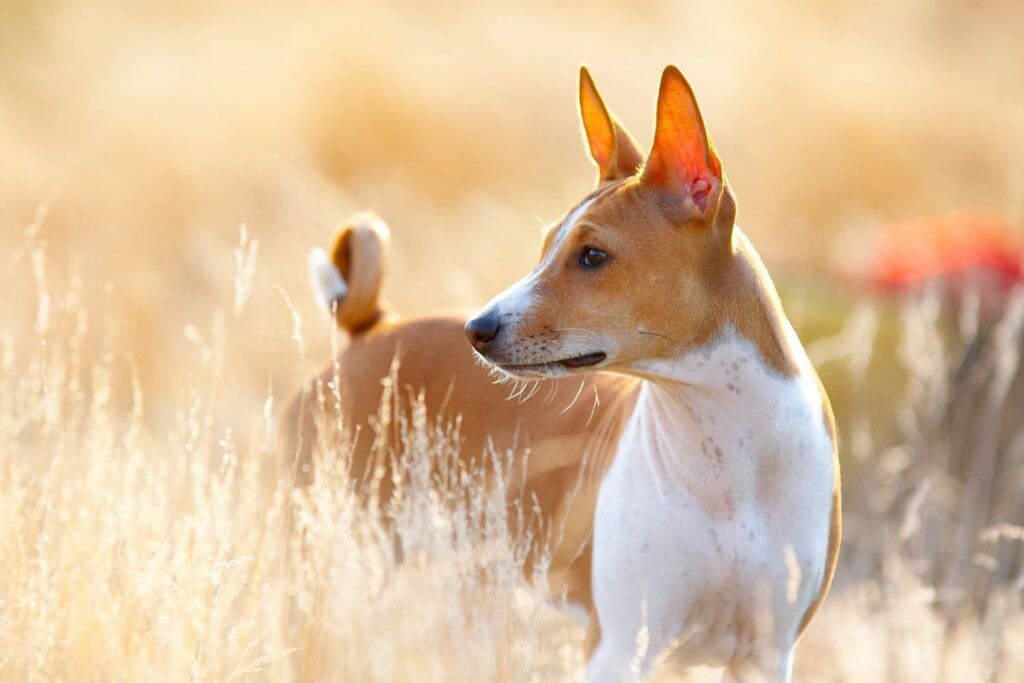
{"x":693,"y":508}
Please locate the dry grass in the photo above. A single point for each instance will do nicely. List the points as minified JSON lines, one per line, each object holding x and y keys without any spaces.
{"x":144,"y":347}
{"x":131,"y":554}
{"x":127,"y":555}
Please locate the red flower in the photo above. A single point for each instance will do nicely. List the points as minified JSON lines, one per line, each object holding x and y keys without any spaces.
{"x":912,"y":253}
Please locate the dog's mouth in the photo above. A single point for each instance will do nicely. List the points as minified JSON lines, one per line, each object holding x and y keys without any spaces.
{"x":555,"y":366}
{"x":584,"y":361}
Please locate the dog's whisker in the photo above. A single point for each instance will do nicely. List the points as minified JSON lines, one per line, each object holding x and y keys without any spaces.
{"x":593,"y":408}
{"x":551,"y":394}
{"x":574,"y":398}
{"x":517,"y":388}
{"x":658,"y":334}
{"x":536,"y":388}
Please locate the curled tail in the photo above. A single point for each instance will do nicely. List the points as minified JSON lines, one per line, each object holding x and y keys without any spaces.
{"x":347,"y":281}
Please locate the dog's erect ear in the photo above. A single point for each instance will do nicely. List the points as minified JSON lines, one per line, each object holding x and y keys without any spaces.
{"x":611,"y":147}
{"x":682,"y":161}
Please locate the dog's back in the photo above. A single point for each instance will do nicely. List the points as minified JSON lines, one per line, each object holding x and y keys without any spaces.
{"x":557,"y":431}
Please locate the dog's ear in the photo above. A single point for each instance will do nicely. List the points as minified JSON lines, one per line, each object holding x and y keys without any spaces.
{"x":682,"y":161}
{"x":611,"y":147}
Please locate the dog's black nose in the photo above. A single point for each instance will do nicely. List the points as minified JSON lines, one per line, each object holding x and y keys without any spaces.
{"x":482,"y":330}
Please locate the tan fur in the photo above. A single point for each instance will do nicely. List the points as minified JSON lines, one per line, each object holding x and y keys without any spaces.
{"x":364,"y":275}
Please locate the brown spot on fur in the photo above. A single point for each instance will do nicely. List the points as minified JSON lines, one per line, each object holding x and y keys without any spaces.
{"x":768,"y":478}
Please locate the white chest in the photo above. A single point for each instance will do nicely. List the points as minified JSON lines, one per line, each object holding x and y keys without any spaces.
{"x":714,"y":516}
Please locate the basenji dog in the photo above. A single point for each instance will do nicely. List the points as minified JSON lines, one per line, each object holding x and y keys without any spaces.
{"x":691,"y":511}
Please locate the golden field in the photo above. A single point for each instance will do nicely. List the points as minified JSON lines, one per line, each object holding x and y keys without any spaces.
{"x":147,"y":339}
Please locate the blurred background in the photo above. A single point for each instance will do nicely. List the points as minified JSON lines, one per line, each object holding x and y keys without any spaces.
{"x":151,"y":131}
{"x":876,"y":149}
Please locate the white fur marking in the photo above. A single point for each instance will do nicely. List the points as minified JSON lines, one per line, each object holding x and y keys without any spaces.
{"x":517,"y":299}
{"x":570,"y":221}
{"x":327,"y":283}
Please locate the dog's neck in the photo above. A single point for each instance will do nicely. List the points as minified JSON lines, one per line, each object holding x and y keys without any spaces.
{"x":726,"y":377}
{"x":708,"y":421}
{"x":731,"y":371}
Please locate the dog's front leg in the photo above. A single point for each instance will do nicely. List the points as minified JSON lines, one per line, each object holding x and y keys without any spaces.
{"x":641,"y":593}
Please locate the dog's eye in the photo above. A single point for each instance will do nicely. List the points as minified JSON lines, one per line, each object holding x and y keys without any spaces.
{"x":593,"y":258}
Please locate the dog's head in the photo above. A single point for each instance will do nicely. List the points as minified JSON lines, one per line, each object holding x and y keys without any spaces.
{"x":629,"y":274}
